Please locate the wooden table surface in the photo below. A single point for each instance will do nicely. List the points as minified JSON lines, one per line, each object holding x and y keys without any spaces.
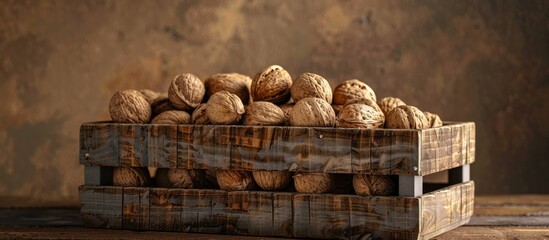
{"x":496,"y":217}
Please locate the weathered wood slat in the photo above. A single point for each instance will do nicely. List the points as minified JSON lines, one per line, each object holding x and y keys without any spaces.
{"x":162,"y":146}
{"x":165,"y":209}
{"x":277,"y":214}
{"x":133,"y":145}
{"x":333,"y":150}
{"x":99,"y":144}
{"x":101,"y":206}
{"x":446,"y":209}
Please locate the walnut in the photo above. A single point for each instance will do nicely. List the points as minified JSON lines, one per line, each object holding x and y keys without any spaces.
{"x":263,"y":114}
{"x":358,"y":115}
{"x":312,"y":112}
{"x":173,"y":178}
{"x":272,"y":180}
{"x":286,"y":109}
{"x":352,"y":89}
{"x":374,"y":185}
{"x":434,"y":119}
{"x":406,"y":117}
{"x":150,"y":95}
{"x":313,"y":182}
{"x":272,"y":85}
{"x":131,"y":177}
{"x":311,"y":85}
{"x":387,"y":104}
{"x":234,"y":83}
{"x":235,"y":180}
{"x":129,"y":106}
{"x":199,"y":115}
{"x":367,"y":101}
{"x":172,"y":117}
{"x":337,"y":108}
{"x":224,"y":108}
{"x":161,"y":105}
{"x":186,"y":91}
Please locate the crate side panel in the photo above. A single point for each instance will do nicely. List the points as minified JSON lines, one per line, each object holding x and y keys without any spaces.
{"x":133,"y":145}
{"x":283,"y":223}
{"x":185,"y":146}
{"x":101,"y":206}
{"x":165,"y":209}
{"x":261,"y":214}
{"x":329,"y":216}
{"x":162,"y":146}
{"x":446,"y":209}
{"x":99,"y":144}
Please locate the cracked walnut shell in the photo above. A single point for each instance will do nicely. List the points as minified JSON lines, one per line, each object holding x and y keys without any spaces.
{"x":272,"y":85}
{"x":406,"y":117}
{"x":311,"y":85}
{"x":387,"y":104}
{"x":263,"y":114}
{"x":359,"y":115}
{"x":352,"y":89}
{"x":374,"y":185}
{"x":129,"y":106}
{"x":186,"y":91}
{"x":312,"y":112}
{"x":172,"y":117}
{"x":234,"y":83}
{"x":224,"y":108}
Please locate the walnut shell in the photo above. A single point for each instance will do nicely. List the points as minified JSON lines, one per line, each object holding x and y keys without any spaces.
{"x":434,"y":119}
{"x":406,"y":117}
{"x":172,"y":117}
{"x":387,"y":104}
{"x":311,"y":85}
{"x":374,"y":185}
{"x":312,"y":112}
{"x":131,"y":176}
{"x":358,"y":115}
{"x":199,"y":115}
{"x":313,"y":182}
{"x":272,"y":85}
{"x":186,"y":91}
{"x":161,"y":105}
{"x":150,"y":95}
{"x":367,"y":101}
{"x":337,"y":108}
{"x":272,"y":180}
{"x":286,"y":108}
{"x":224,"y":108}
{"x":129,"y":106}
{"x":263,"y":114}
{"x":173,"y":178}
{"x":351,"y":90}
{"x":235,"y":180}
{"x":234,"y":83}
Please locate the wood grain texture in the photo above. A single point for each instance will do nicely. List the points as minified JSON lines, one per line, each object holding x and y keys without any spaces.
{"x":331,"y":150}
{"x":99,"y":144}
{"x":162,"y":146}
{"x":101,"y":206}
{"x":446,"y":209}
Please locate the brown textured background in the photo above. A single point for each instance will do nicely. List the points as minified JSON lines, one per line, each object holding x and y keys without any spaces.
{"x":482,"y":61}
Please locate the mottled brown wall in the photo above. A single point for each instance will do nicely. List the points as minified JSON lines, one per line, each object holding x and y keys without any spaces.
{"x":482,"y":61}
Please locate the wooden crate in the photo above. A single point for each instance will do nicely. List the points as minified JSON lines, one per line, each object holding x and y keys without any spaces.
{"x":410,"y":154}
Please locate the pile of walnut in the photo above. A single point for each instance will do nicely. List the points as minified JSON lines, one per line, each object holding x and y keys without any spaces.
{"x":271,"y":98}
